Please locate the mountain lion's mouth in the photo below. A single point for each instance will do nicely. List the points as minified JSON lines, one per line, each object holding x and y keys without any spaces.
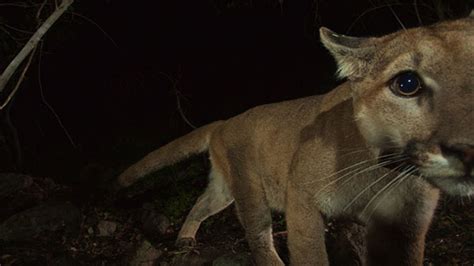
{"x":450,"y":168}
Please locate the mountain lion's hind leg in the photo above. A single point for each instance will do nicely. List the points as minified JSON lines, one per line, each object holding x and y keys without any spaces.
{"x":215,"y":198}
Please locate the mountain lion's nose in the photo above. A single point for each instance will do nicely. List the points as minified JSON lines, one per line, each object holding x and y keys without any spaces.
{"x":464,"y":152}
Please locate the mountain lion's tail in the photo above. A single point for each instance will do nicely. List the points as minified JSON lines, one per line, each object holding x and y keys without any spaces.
{"x":195,"y":142}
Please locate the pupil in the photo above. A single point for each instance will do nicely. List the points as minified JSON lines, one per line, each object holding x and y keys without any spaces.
{"x":408,"y":83}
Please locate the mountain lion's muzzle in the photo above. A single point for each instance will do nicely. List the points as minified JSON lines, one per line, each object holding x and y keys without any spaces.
{"x":449,"y":167}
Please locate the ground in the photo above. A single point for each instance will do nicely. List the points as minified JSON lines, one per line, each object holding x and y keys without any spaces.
{"x":138,"y":226}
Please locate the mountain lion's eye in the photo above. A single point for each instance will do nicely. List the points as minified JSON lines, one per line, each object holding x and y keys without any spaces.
{"x":406,"y":84}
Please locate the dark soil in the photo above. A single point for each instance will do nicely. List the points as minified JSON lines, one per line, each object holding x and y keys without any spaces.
{"x":112,"y":226}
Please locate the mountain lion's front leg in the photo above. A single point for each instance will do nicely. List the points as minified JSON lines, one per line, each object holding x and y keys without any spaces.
{"x":305,"y":229}
{"x":255,"y":216}
{"x":397,"y":243}
{"x":396,"y":236}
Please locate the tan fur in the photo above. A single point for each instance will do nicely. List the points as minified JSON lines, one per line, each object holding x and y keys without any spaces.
{"x":195,"y":142}
{"x":322,"y":156}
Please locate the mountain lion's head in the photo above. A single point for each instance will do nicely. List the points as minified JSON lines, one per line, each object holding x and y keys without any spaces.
{"x":413,"y":93}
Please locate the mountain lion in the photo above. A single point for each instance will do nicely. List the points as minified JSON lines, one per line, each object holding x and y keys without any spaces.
{"x":378,"y":149}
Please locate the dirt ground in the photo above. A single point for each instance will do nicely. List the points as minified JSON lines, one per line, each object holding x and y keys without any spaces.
{"x":139,"y":227}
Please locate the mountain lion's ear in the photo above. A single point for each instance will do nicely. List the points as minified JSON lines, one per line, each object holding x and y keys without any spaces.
{"x":353,"y":55}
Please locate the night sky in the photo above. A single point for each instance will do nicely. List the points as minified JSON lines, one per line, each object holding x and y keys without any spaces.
{"x":120,"y":89}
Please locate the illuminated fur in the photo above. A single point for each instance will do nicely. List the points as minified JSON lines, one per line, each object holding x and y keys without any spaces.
{"x":324,"y":155}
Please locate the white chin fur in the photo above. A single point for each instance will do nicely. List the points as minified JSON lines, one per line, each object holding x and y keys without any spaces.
{"x":447,"y":173}
{"x":456,"y":186}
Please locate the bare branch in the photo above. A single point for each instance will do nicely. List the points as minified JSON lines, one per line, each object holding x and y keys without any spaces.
{"x":32,"y":43}
{"x":18,"y":83}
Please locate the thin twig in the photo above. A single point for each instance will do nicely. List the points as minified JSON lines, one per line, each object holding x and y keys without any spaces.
{"x":11,"y":136}
{"x":40,"y":9}
{"x":380,"y":7}
{"x":178,"y":95}
{"x":95,"y":24}
{"x":40,"y":85}
{"x":16,"y":29}
{"x":365,"y":13}
{"x":45,"y":102}
{"x":32,"y":43}
{"x":420,"y":22}
{"x":180,"y":109}
{"x":397,"y":18}
{"x":22,"y":5}
{"x":9,"y":34}
{"x":439,"y":9}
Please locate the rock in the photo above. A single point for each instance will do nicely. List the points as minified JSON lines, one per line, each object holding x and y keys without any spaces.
{"x":64,"y":260}
{"x":41,"y":223}
{"x":13,"y":183}
{"x":106,"y":228}
{"x":95,"y":175}
{"x":145,"y":255}
{"x":205,"y":255}
{"x":22,"y":192}
{"x":154,"y":224}
{"x":240,"y":259}
{"x":191,"y":259}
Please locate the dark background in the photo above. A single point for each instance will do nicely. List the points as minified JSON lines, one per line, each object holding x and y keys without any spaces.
{"x":120,"y":75}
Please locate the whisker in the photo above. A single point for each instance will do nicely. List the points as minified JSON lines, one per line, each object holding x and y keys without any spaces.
{"x":364,"y":148}
{"x":359,"y":166}
{"x":357,"y":150}
{"x":377,"y":166}
{"x":353,"y":150}
{"x":371,"y":185}
{"x":389,"y":184}
{"x":340,"y":171}
{"x":387,"y":156}
{"x":408,"y":173}
{"x":354,"y":173}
